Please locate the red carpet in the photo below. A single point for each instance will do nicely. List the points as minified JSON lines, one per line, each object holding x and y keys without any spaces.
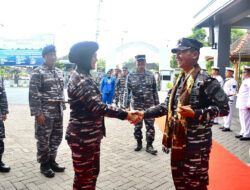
{"x":226,"y":172}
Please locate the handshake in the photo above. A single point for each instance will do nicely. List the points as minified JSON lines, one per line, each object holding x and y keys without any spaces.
{"x":135,"y":116}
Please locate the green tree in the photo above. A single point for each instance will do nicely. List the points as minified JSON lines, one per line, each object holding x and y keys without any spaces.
{"x":199,"y":34}
{"x":173,"y":62}
{"x":152,"y":66}
{"x":130,"y":64}
{"x":101,"y":65}
{"x":236,"y":34}
{"x":60,"y":65}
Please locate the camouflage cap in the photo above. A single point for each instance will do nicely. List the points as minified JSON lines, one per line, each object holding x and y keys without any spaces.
{"x":187,"y":43}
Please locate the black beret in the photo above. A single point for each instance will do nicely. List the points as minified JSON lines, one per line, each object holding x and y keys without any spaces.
{"x":124,"y":68}
{"x":140,"y":57}
{"x":82,"y":52}
{"x":187,"y":43}
{"x":48,"y":49}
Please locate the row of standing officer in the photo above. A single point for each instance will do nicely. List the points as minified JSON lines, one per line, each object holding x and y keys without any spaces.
{"x":230,"y":88}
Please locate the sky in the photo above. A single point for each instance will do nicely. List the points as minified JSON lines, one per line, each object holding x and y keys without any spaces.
{"x":35,"y":23}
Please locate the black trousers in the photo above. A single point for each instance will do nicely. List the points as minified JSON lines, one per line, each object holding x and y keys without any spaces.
{"x":150,"y":130}
{"x":2,"y":136}
{"x":1,"y":147}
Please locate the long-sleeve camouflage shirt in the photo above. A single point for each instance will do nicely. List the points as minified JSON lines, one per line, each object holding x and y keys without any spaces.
{"x":46,"y":94}
{"x":143,"y":89}
{"x":208,"y":101}
{"x":3,"y":99}
{"x":120,"y":84}
{"x":86,"y":122}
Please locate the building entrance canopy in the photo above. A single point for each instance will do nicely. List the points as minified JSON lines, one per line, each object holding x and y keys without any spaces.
{"x":220,"y":16}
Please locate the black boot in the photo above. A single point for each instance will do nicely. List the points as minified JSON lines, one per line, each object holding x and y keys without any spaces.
{"x":150,"y":149}
{"x":139,"y":145}
{"x":3,"y":167}
{"x":46,"y":170}
{"x":55,"y":166}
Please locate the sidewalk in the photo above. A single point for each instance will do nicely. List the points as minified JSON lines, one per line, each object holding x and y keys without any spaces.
{"x":121,"y":167}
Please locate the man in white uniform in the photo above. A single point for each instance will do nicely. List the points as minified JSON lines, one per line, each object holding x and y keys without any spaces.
{"x":243,"y":103}
{"x":215,"y":74}
{"x":230,"y":90}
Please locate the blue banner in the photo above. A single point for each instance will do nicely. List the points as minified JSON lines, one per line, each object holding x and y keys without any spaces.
{"x":21,"y":57}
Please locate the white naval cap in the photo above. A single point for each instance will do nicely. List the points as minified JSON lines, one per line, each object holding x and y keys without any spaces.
{"x":229,"y":69}
{"x":215,"y":68}
{"x":246,"y":69}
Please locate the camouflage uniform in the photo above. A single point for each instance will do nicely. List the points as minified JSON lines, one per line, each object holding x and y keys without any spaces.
{"x":144,"y":95}
{"x":4,"y":111}
{"x":208,"y":100}
{"x":120,"y":85}
{"x":99,"y":80}
{"x":86,"y":127}
{"x":116,"y":96}
{"x":46,"y":98}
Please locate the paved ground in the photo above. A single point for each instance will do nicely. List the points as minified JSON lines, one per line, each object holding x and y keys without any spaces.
{"x":121,"y":167}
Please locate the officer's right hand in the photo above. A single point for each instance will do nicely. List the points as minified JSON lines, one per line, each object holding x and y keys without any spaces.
{"x":165,"y":149}
{"x":40,"y":119}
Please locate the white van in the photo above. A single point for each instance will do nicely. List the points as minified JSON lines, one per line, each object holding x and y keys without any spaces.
{"x":168,"y":78}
